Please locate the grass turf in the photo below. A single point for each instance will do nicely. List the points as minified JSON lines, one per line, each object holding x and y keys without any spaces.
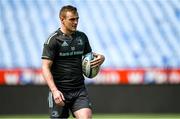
{"x":102,"y":116}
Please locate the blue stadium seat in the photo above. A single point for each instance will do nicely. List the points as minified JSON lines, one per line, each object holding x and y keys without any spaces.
{"x":131,"y":34}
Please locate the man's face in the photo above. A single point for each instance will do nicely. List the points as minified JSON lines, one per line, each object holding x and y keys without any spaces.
{"x":70,"y":22}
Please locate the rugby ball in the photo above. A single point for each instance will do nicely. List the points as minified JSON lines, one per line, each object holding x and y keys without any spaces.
{"x":86,"y":66}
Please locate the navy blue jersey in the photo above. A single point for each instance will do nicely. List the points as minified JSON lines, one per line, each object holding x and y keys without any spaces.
{"x":66,"y":53}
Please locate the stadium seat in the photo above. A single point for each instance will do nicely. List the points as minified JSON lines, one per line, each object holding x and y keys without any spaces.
{"x":130,"y":33}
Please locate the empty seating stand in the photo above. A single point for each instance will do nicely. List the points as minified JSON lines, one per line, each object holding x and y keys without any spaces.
{"x":131,"y":34}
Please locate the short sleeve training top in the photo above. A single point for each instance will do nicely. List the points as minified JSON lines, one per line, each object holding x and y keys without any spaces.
{"x":66,"y":53}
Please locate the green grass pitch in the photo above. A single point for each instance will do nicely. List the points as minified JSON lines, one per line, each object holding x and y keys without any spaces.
{"x":101,"y":116}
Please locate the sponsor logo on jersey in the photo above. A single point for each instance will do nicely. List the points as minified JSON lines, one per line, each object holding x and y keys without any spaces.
{"x":70,"y":53}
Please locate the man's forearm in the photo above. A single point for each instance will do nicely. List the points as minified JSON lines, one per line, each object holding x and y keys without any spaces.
{"x":57,"y":95}
{"x":49,"y":79}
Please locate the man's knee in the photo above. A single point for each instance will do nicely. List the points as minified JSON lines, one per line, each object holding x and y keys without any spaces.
{"x":84,"y":113}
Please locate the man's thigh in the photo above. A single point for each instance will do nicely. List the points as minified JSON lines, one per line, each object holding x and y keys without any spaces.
{"x":83,"y":113}
{"x":82,"y":105}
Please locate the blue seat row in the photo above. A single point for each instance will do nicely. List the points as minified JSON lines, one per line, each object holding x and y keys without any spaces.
{"x":131,"y":34}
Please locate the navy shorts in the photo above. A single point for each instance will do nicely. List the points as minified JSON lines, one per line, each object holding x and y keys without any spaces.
{"x":74,"y":100}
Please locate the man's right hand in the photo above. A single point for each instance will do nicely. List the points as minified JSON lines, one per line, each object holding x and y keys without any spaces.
{"x":58,"y":97}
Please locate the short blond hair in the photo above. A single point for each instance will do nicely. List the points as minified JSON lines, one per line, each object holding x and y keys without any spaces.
{"x":65,"y":9}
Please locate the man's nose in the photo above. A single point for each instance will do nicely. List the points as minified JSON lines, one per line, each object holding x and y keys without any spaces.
{"x":76,"y":21}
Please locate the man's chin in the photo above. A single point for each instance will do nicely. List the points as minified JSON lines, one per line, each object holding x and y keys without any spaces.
{"x":73,"y":30}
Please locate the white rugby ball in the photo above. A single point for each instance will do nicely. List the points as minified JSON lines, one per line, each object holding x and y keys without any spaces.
{"x":86,"y":67}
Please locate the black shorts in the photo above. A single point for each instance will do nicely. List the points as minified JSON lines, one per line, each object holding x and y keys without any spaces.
{"x":74,"y":100}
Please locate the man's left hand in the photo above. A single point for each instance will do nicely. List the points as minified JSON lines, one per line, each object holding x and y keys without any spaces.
{"x":98,"y":60}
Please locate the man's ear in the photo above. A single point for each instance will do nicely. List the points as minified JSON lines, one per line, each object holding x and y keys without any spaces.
{"x":62,"y":20}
